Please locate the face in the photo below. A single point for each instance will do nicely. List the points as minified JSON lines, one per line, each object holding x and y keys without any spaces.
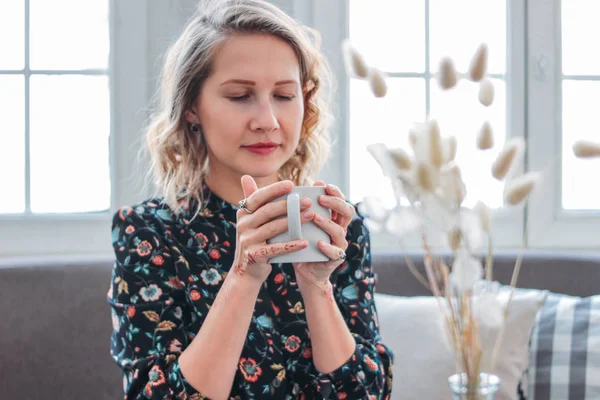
{"x":251,"y":107}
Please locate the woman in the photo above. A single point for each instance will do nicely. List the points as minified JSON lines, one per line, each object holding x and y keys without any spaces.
{"x":198,"y":312}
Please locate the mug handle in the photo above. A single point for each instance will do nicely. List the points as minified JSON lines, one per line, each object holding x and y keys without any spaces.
{"x":293,"y":211}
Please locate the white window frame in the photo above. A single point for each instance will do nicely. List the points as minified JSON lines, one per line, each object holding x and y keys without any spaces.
{"x":135,"y":51}
{"x":331,"y":20}
{"x":549,"y":225}
{"x":89,"y":233}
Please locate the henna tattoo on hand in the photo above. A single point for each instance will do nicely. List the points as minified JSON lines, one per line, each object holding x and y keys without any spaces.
{"x":328,"y":293}
{"x":238,"y":269}
{"x":250,"y":259}
{"x":288,"y":246}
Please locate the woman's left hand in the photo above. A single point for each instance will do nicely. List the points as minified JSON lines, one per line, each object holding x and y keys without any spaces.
{"x":316,"y":274}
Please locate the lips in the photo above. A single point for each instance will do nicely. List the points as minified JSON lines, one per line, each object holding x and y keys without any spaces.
{"x":262,"y":145}
{"x":262,"y":148}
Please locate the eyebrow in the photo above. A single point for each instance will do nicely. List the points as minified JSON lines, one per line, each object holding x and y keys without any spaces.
{"x":246,"y":82}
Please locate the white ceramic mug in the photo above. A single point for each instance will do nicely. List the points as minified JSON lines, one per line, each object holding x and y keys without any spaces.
{"x":308,"y":230}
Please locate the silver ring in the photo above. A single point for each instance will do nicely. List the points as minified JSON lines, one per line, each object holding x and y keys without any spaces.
{"x":242,"y":205}
{"x":342,"y":257}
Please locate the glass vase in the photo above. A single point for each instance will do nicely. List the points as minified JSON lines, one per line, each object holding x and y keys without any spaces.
{"x":483,"y":389}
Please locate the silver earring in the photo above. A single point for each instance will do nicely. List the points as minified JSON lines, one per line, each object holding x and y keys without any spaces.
{"x":195,"y":128}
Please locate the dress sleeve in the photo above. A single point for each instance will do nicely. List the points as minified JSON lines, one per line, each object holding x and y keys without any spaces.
{"x":368,"y":372}
{"x":149,"y":307}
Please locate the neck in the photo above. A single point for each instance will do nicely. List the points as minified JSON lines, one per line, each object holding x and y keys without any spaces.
{"x":227,"y":184}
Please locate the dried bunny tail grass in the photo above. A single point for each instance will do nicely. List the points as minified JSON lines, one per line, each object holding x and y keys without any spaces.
{"x":414,"y":132}
{"x":355,"y":63}
{"x":447,"y":74}
{"x":478,"y":66}
{"x":454,"y":239}
{"x":426,"y":177}
{"x":508,"y":158}
{"x":452,"y":185}
{"x":450,"y":146}
{"x":586,"y":149}
{"x":436,"y":151}
{"x":460,"y":188}
{"x":377,"y":82}
{"x":486,"y":92}
{"x":413,"y":137}
{"x":382,"y":155}
{"x":518,"y":189}
{"x":401,"y":158}
{"x":485,"y":138}
{"x":484,"y":214}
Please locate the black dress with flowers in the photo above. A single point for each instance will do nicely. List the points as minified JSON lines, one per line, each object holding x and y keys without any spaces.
{"x":168,"y":272}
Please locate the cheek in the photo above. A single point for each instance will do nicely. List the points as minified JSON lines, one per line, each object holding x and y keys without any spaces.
{"x":293,"y":122}
{"x":223,"y":126}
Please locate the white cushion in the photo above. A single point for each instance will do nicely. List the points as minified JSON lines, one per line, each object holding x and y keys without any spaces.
{"x":412,"y":328}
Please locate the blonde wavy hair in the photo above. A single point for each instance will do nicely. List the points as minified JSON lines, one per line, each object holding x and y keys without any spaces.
{"x":178,"y":156}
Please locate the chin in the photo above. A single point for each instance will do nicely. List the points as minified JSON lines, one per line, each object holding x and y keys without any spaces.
{"x":257,"y":172}
{"x":262,"y":168}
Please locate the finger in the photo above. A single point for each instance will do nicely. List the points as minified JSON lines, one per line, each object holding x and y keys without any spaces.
{"x":248,"y":185}
{"x":336,"y":255}
{"x":344,"y":211}
{"x":333,"y":190}
{"x":321,"y":183}
{"x":335,"y":231}
{"x":261,"y":196}
{"x":264,"y":253}
{"x":273,"y":210}
{"x":275,"y":227}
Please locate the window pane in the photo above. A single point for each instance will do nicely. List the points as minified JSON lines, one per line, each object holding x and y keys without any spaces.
{"x":459,"y":113}
{"x":69,"y":34}
{"x":580,"y":33}
{"x":12,"y":150}
{"x":12,"y":32}
{"x":390,"y":33}
{"x":579,"y":177}
{"x":458,"y":27}
{"x":384,"y":120}
{"x":70,"y":125}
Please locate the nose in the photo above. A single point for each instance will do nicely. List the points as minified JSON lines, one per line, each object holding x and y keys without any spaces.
{"x":264,"y":119}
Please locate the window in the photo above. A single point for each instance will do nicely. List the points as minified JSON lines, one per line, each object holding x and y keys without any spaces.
{"x":407,"y":41}
{"x":547,"y":80}
{"x":56,"y":102}
{"x":75,"y":87}
{"x":564,"y":88}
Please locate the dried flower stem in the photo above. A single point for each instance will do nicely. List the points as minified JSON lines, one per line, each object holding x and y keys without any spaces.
{"x":513,"y":284}
{"x":489,"y":260}
{"x":415,"y":271}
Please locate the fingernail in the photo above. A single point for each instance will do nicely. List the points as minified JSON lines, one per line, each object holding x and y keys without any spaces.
{"x":308,"y":214}
{"x":305,"y":202}
{"x":318,"y":217}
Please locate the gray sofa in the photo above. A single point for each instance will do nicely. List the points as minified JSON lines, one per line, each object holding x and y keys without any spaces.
{"x":55,"y":321}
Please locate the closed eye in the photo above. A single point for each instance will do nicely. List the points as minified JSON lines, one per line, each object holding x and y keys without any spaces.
{"x":246,"y":96}
{"x":239,"y":98}
{"x":286,"y":98}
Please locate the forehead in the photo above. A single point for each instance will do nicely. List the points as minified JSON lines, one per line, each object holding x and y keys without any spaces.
{"x":261,"y":58}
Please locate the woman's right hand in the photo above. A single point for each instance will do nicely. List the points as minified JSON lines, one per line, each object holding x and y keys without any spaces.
{"x":253,"y":229}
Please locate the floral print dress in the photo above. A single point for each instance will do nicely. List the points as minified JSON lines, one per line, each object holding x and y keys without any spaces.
{"x":167,"y":273}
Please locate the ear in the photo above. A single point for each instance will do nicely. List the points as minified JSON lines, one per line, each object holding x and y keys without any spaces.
{"x":190,"y":116}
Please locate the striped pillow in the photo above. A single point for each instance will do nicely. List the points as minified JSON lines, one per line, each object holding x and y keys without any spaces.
{"x":564,"y":360}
